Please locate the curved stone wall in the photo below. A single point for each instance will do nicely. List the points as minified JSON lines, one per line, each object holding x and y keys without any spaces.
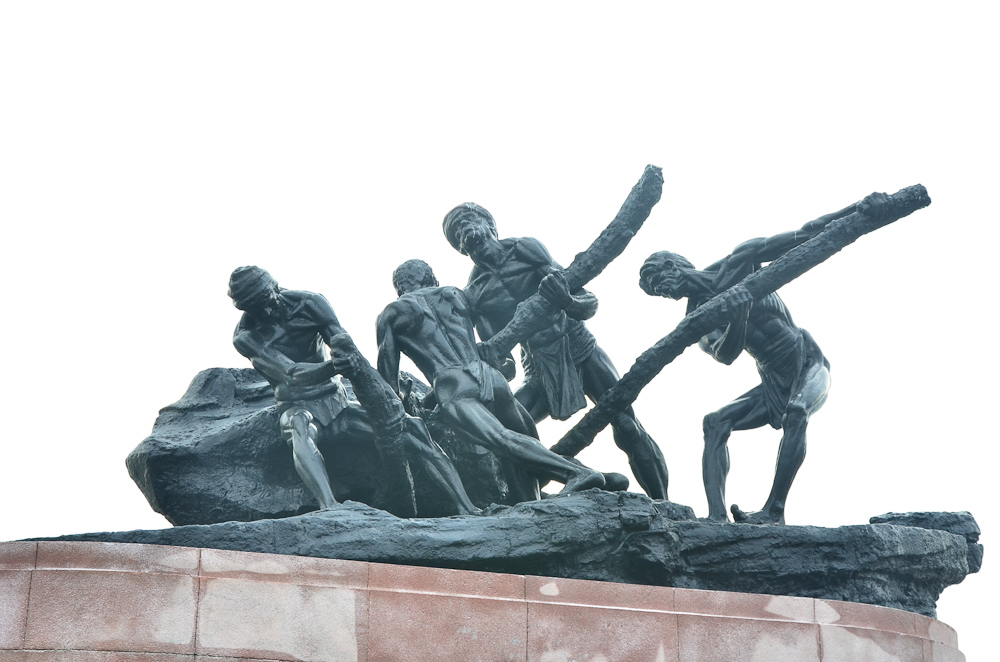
{"x":108,"y":602}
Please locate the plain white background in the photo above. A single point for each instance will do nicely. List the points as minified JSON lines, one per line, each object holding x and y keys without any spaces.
{"x":147,"y":149}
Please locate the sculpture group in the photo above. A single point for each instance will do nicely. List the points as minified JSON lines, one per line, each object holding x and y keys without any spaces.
{"x":517,"y":293}
{"x":247,"y":455}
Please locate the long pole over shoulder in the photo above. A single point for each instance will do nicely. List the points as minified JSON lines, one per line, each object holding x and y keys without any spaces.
{"x":535,"y":312}
{"x":875,"y":211}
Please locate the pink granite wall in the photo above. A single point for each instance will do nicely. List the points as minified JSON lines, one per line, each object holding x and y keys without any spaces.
{"x":98,"y":602}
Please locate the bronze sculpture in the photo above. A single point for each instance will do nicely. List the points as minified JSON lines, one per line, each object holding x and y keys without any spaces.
{"x":732,"y":308}
{"x":590,"y":534}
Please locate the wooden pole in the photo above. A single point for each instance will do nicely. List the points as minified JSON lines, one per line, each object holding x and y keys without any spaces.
{"x":536,"y":311}
{"x":874,"y":212}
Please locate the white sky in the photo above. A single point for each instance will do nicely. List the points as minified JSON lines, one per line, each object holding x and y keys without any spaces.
{"x":147,"y":149}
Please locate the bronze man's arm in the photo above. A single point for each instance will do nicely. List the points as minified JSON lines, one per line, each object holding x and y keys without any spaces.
{"x":269,"y":362}
{"x":726,"y":344}
{"x":388,"y":352}
{"x":486,"y":331}
{"x":321,"y":312}
{"x":771,"y":248}
{"x":579,"y":305}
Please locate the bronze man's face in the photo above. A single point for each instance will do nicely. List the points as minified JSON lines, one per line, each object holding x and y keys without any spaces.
{"x":264,"y":305}
{"x":473,"y":232}
{"x":669,"y":281}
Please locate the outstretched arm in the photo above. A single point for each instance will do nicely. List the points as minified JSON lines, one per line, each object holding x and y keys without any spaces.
{"x":771,"y":248}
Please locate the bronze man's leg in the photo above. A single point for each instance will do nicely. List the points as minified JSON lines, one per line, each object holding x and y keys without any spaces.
{"x":354,"y":422}
{"x":747,"y":412}
{"x":470,"y":418}
{"x":792,"y":450}
{"x":512,"y":415}
{"x":439,"y":468}
{"x":533,"y":399}
{"x":300,"y":432}
{"x":644,"y":456}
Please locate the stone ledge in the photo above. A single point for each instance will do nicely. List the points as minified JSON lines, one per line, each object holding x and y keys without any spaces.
{"x":399,"y":614}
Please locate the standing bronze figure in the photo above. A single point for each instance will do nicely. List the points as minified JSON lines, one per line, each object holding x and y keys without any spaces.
{"x":795,"y":376}
{"x":562,"y":362}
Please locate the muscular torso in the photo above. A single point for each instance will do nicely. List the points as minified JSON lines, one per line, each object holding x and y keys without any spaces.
{"x":297,"y":335}
{"x":433,"y":326}
{"x":772,"y":338}
{"x":494,"y":293}
{"x":295,"y":339}
{"x":771,"y":334}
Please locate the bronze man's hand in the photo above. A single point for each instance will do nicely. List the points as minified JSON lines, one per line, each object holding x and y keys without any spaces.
{"x":505,"y":365}
{"x":736,"y":303}
{"x":488,"y":354}
{"x":345,"y":364}
{"x":508,"y":369}
{"x":554,"y":289}
{"x":346,"y":357}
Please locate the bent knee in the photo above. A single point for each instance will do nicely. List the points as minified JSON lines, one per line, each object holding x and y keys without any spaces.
{"x":296,"y":419}
{"x":625,"y":425}
{"x":293,"y":415}
{"x":795,"y":414}
{"x":714,"y":423}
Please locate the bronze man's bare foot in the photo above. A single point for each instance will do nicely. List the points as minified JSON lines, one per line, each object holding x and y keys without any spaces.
{"x":583,"y":480}
{"x":615,"y":482}
{"x":720,"y":519}
{"x":756,"y":516}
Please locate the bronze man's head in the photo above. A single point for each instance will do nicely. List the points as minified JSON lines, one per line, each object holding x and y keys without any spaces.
{"x":413,"y":275}
{"x":252,"y":289}
{"x":467,"y":225}
{"x":662,"y":275}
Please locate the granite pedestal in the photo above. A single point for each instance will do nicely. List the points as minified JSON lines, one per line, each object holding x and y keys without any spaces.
{"x":112,"y":602}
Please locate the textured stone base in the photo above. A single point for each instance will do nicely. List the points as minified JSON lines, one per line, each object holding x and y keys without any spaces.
{"x":624,"y":538}
{"x":108,"y":602}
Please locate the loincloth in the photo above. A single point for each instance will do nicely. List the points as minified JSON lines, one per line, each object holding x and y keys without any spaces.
{"x":783,"y":376}
{"x":552,"y":359}
{"x":324,"y":401}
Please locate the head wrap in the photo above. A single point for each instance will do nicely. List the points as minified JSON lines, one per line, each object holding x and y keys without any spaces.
{"x":460,"y":211}
{"x":247,"y":285}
